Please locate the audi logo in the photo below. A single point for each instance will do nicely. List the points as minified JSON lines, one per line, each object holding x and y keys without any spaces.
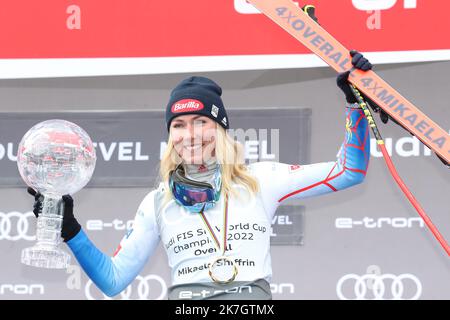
{"x":402,"y":287}
{"x":139,"y":289}
{"x":15,"y":226}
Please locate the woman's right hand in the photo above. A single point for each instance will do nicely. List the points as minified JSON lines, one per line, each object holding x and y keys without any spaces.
{"x":70,"y":225}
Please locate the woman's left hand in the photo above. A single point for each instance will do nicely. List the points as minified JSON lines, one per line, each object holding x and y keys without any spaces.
{"x":359,"y":62}
{"x":311,"y":12}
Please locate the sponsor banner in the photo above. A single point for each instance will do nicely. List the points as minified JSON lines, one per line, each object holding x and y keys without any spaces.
{"x":19,"y":290}
{"x":288,"y":225}
{"x":140,"y":37}
{"x":129,"y":145}
{"x":379,"y":223}
{"x":16,"y":226}
{"x":144,"y":287}
{"x":377,"y":285}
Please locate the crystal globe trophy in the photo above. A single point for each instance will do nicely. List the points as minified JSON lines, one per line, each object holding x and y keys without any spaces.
{"x":55,"y":157}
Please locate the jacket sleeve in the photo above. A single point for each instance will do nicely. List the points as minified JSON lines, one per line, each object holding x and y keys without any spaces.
{"x":113,"y":274}
{"x":279,"y":181}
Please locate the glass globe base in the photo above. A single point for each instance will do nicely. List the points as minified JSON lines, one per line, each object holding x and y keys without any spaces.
{"x":42,"y":257}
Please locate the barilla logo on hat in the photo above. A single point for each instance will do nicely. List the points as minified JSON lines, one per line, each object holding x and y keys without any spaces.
{"x":187,"y":105}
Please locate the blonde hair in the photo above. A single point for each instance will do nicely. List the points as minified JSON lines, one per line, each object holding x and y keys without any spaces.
{"x":229,"y":154}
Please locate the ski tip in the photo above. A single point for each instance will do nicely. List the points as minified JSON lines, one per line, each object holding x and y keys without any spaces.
{"x":443,"y":161}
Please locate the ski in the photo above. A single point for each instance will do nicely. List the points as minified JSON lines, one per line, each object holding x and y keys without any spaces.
{"x":297,"y":23}
{"x":380,"y":142}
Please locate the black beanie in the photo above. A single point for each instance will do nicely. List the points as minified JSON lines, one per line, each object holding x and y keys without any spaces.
{"x":197,"y":95}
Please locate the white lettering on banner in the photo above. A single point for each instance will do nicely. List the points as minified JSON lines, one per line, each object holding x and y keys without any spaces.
{"x":188,"y":294}
{"x":116,"y":224}
{"x":275,"y":140}
{"x":251,"y":150}
{"x":368,"y":5}
{"x":402,"y":287}
{"x":22,"y":289}
{"x":74,"y":280}
{"x":15,"y":226}
{"x":370,"y":223}
{"x":162,"y":149}
{"x":244,"y":7}
{"x":125,"y":151}
{"x":106,"y":153}
{"x":138,"y":155}
{"x":281,"y":219}
{"x":139,"y":289}
{"x":410,"y":4}
{"x":8,"y":151}
{"x":374,"y":20}
{"x":255,"y":143}
{"x":404,"y":147}
{"x":74,"y":20}
{"x":279,"y":288}
{"x":372,"y":269}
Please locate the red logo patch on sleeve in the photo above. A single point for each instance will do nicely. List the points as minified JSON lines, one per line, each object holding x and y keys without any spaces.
{"x":294,"y":167}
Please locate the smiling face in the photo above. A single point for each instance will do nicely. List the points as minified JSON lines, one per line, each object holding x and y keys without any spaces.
{"x":194,"y":138}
